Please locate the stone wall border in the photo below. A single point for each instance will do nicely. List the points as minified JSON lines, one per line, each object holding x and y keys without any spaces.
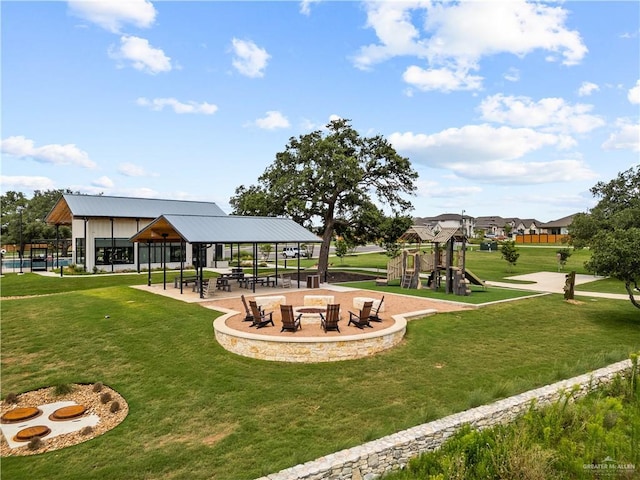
{"x":372,"y":459}
{"x":312,"y":349}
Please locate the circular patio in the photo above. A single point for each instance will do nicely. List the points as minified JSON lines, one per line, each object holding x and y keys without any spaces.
{"x":312,"y":344}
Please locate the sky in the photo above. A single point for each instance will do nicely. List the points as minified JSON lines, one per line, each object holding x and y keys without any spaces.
{"x":509,"y":108}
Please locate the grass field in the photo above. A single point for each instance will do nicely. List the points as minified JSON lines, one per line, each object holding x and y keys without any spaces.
{"x":200,"y":412}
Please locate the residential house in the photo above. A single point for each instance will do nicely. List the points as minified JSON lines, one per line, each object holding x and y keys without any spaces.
{"x":558,"y":227}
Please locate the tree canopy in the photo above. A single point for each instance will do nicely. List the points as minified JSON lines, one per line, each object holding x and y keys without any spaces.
{"x":612,"y":230}
{"x":18,"y":210}
{"x":327,"y":175}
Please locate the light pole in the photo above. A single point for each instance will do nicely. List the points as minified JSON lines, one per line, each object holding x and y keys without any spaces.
{"x":20,"y":247}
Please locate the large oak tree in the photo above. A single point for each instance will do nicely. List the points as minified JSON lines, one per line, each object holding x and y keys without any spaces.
{"x":325,"y":175}
{"x":612,"y":230}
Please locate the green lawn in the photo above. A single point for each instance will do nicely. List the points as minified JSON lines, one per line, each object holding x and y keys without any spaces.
{"x":200,"y":412}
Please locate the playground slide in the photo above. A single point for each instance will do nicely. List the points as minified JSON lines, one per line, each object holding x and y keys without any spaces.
{"x":473,"y":278}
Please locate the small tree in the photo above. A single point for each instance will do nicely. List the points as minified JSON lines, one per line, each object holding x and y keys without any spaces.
{"x":563,"y":255}
{"x":510,"y":253}
{"x":265,"y":251}
{"x":341,"y":249}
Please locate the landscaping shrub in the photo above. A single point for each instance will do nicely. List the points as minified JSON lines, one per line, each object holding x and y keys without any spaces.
{"x":114,"y":407}
{"x":105,"y":398}
{"x":62,"y":389}
{"x":97,"y":387}
{"x":11,"y":398}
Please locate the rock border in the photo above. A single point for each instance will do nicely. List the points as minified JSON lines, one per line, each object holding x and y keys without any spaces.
{"x":82,"y":394}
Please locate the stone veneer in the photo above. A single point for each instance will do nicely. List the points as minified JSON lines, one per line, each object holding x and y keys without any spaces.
{"x":312,"y":349}
{"x":371,"y":460}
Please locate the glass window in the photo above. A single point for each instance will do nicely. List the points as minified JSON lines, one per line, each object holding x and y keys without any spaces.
{"x":118,"y":251}
{"x":173,"y":253}
{"x":81,"y":252}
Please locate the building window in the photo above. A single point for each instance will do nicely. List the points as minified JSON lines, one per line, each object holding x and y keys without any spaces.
{"x":81,"y":251}
{"x":173,"y":253}
{"x":118,"y":251}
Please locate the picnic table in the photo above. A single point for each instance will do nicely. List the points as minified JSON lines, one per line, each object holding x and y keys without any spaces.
{"x":250,"y":280}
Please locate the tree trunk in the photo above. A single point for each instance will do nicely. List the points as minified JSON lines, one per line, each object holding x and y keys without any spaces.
{"x":323,"y":258}
{"x":635,"y":303}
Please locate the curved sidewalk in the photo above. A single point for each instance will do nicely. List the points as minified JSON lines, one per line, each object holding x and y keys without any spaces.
{"x":552,"y":282}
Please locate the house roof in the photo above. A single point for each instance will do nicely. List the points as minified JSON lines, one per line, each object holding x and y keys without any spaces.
{"x":224,"y":229}
{"x":93,"y":206}
{"x":561,"y":222}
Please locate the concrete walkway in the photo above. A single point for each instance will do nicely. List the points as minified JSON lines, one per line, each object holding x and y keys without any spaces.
{"x":552,"y":282}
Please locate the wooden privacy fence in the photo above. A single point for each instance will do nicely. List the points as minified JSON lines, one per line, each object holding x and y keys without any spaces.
{"x":541,"y":238}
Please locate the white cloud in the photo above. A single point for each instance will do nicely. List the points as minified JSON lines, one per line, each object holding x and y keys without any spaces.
{"x":448,"y":192}
{"x":26,"y":182}
{"x":456,"y":36}
{"x":626,"y":138}
{"x":488,"y":154}
{"x":549,"y":114}
{"x":634,"y":94}
{"x":21,"y":147}
{"x":477,"y":144}
{"x":442,"y":79}
{"x":158,"y":104}
{"x":273,"y":120}
{"x":249,"y":59}
{"x":103,"y":182}
{"x":525,"y":173}
{"x":141,"y":54}
{"x":113,"y":15}
{"x":305,"y":6}
{"x":512,"y":75}
{"x":587,"y":88}
{"x":132,"y":170}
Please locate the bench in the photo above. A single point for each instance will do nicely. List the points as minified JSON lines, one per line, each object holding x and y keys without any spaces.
{"x":358,"y":303}
{"x":223,"y":284}
{"x":185,"y":281}
{"x":318,"y":300}
{"x":271,"y":303}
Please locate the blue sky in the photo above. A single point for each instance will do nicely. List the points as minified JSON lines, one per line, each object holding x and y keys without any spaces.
{"x":504,"y":108}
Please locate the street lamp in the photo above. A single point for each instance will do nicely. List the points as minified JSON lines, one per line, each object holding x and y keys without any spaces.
{"x":20,"y":247}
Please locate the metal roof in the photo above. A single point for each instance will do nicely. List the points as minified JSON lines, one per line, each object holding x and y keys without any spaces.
{"x":224,"y":229}
{"x":92,"y":206}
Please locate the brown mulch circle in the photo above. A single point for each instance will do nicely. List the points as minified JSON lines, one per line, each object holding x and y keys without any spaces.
{"x":83,"y":395}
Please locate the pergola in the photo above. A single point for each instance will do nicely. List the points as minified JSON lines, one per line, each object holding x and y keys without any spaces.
{"x":203,"y":231}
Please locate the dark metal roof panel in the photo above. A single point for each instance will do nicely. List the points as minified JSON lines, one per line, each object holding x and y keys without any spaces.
{"x":126,"y":207}
{"x":231,"y":229}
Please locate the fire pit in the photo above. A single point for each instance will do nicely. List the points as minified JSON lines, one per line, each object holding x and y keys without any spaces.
{"x":309,"y":314}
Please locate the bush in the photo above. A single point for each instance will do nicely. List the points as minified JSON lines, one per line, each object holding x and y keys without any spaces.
{"x":35,"y":443}
{"x":11,"y":398}
{"x":62,"y":389}
{"x":105,"y":398}
{"x":114,"y":407}
{"x":97,"y":387}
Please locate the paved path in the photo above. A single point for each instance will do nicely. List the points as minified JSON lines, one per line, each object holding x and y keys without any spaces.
{"x":552,"y":282}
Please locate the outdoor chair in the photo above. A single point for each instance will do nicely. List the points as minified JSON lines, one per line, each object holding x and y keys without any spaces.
{"x":329,"y":321}
{"x":248,"y":315}
{"x":285,"y":281}
{"x":361,"y":319}
{"x":290,"y":322}
{"x":374,"y":317}
{"x":260,"y":318}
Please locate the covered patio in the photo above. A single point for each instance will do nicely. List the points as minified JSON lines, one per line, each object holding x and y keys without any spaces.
{"x":204,"y":232}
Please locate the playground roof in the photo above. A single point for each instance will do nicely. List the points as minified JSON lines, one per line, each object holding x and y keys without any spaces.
{"x":422,"y":233}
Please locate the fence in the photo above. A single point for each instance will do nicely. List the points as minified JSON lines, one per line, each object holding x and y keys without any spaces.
{"x":541,"y":238}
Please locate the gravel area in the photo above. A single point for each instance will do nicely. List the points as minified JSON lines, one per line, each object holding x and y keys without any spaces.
{"x":82,"y":395}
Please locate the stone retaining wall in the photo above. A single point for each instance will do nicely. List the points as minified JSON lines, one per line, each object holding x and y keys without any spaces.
{"x":371,"y":460}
